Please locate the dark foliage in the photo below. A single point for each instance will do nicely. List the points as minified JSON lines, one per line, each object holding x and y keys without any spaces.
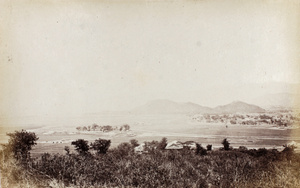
{"x":160,"y":168}
{"x":162,"y":144}
{"x":200,"y":150}
{"x":209,"y":147}
{"x":123,"y":150}
{"x":134,"y":143}
{"x":121,"y":167}
{"x":20,"y":143}
{"x":81,"y":146}
{"x":226,"y":144}
{"x":101,"y":145}
{"x":67,"y":149}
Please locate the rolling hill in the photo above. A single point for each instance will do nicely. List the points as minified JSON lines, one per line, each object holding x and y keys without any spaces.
{"x":238,"y":107}
{"x":163,"y":106}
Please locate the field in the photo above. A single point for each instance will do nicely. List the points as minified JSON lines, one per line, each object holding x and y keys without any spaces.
{"x":50,"y":165}
{"x":55,"y":133}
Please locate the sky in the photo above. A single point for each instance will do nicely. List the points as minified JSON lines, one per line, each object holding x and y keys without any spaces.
{"x":75,"y":57}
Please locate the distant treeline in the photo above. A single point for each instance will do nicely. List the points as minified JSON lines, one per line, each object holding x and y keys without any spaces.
{"x":284,"y":119}
{"x":103,"y":128}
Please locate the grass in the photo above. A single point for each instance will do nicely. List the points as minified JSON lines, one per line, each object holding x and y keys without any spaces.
{"x":121,"y":167}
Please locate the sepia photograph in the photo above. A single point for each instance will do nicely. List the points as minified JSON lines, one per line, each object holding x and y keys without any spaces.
{"x":149,"y":93}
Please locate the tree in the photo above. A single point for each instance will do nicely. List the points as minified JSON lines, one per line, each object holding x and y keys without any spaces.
{"x":67,"y":149}
{"x":162,"y":144}
{"x":200,"y":150}
{"x":233,"y":121}
{"x":123,"y":149}
{"x":226,"y":144}
{"x":126,"y":127}
{"x":208,"y":147}
{"x":151,"y":146}
{"x":101,"y":145}
{"x":20,"y":143}
{"x":107,"y":128}
{"x":288,"y":151}
{"x":81,"y":146}
{"x":95,"y":126}
{"x":134,"y":143}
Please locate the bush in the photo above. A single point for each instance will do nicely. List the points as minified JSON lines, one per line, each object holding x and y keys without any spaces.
{"x":200,"y":150}
{"x":226,"y":144}
{"x":121,"y":167}
{"x":288,"y":151}
{"x":81,"y":146}
{"x":123,"y":150}
{"x":162,"y":144}
{"x":20,"y":143}
{"x":151,"y":146}
{"x":67,"y":149}
{"x":209,"y":147}
{"x":101,"y":145}
{"x":243,"y":148}
{"x":134,"y":143}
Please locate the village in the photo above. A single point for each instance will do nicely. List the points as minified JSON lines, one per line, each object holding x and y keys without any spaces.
{"x":283,"y":119}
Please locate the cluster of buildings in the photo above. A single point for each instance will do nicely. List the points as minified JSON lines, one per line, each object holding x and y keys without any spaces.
{"x":174,"y":145}
{"x":279,"y":119}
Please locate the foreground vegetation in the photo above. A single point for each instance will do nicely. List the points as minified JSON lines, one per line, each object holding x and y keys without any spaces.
{"x":122,"y":167}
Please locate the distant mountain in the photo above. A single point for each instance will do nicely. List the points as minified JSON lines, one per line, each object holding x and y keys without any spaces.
{"x":163,"y":106}
{"x":238,"y":107}
{"x":194,"y":108}
{"x":171,"y":107}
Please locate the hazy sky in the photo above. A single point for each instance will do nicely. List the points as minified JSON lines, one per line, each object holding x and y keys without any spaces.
{"x":79,"y":57}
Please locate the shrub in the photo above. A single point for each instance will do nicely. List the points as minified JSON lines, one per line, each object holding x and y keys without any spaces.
{"x":151,"y":146}
{"x":162,"y":144}
{"x":81,"y":146}
{"x":134,"y":143}
{"x":262,"y":152}
{"x":200,"y":150}
{"x":121,"y":167}
{"x":288,"y":151}
{"x":226,"y":144}
{"x":232,"y":121}
{"x":243,"y":148}
{"x":125,"y":127}
{"x":67,"y":149}
{"x":122,"y":150}
{"x":209,"y":147}
{"x":101,"y":145}
{"x":20,"y":143}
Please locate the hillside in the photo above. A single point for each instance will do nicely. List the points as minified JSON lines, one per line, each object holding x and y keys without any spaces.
{"x":238,"y":107}
{"x":170,"y":107}
{"x":163,"y":106}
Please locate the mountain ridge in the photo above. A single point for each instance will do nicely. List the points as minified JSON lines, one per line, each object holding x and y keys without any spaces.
{"x":165,"y":106}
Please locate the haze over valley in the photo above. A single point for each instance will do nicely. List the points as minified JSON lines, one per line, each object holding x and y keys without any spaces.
{"x":184,"y":70}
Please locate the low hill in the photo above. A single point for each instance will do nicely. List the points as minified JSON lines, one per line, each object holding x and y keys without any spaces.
{"x":238,"y":107}
{"x":163,"y":106}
